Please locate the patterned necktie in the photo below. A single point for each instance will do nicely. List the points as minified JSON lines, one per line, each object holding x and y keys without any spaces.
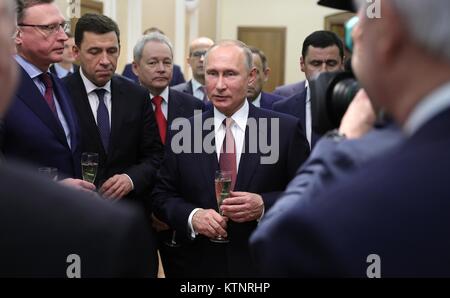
{"x":227,"y":159}
{"x":48,"y":95}
{"x":160,"y":119}
{"x":103,"y":119}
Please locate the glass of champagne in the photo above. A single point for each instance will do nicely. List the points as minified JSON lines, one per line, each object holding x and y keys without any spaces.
{"x":222,"y":183}
{"x":89,"y":165}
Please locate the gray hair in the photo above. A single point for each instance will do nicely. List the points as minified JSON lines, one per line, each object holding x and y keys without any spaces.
{"x":427,"y":23}
{"x":154,"y":36}
{"x":239,"y":44}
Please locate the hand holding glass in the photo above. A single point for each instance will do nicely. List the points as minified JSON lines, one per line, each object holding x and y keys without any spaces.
{"x":222,"y":183}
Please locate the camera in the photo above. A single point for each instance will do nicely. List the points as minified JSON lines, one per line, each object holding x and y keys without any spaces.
{"x":333,"y":92}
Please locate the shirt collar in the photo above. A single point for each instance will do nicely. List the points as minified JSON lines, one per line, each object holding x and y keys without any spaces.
{"x":90,"y":87}
{"x":308,"y":91}
{"x":30,"y":69}
{"x":240,"y":117}
{"x":61,"y":71}
{"x":433,"y":104}
{"x":257,"y":101}
{"x":196,"y":84}
{"x":164,"y":95}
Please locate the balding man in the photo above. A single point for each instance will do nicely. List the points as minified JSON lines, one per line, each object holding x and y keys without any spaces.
{"x":197,"y":51}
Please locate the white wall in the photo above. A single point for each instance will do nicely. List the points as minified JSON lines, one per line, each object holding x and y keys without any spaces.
{"x":300,"y":17}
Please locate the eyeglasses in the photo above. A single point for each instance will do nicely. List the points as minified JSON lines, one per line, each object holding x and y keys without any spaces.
{"x":198,"y":54}
{"x":49,"y":29}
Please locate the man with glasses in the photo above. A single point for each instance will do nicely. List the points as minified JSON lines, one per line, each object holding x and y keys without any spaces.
{"x":197,"y":51}
{"x":41,"y":127}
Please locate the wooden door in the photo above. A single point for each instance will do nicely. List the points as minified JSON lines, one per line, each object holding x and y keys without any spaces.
{"x":272,"y":41}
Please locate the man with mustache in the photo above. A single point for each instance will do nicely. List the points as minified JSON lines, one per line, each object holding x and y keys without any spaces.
{"x":115,"y":114}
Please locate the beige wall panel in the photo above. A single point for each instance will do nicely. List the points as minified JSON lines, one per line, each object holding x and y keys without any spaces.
{"x":300,"y":17}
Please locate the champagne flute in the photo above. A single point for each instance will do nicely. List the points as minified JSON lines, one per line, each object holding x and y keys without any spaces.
{"x":222,"y":183}
{"x":89,"y":165}
{"x":172,"y":242}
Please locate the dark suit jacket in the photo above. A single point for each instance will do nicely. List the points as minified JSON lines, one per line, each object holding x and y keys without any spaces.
{"x":290,"y":89}
{"x":53,"y":70}
{"x":396,"y":207}
{"x":268,"y":99}
{"x":296,"y":106}
{"x":135,"y":147}
{"x":181,"y":105}
{"x":186,"y":181}
{"x":43,"y":223}
{"x":31,"y":133}
{"x":177,"y":77}
{"x":185,"y":87}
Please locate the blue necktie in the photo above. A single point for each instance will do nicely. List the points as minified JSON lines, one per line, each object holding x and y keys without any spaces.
{"x":103,"y":119}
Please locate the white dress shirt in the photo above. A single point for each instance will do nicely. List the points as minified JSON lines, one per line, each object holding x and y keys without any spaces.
{"x":93,"y":98}
{"x":61,"y":71}
{"x":238,"y":129}
{"x":257,"y":101}
{"x":428,"y":108}
{"x":308,"y":118}
{"x":164,"y":103}
{"x":197,"y":89}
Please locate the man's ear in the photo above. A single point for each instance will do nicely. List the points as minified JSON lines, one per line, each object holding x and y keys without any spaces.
{"x":18,"y":37}
{"x":266,"y":74}
{"x":252,"y":76}
{"x":76,"y":52}
{"x":302,"y":64}
{"x":134,"y":67}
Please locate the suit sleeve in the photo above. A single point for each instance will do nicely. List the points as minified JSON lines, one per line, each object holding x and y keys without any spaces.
{"x":150,"y":149}
{"x":167,"y":203}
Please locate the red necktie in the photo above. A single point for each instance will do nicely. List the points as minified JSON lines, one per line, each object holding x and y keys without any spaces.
{"x":227,"y":159}
{"x":160,"y":119}
{"x":48,"y":95}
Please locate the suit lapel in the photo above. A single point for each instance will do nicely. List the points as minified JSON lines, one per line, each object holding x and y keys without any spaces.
{"x":30,"y":95}
{"x":249,"y":161}
{"x":175,"y":108}
{"x":68,"y":112}
{"x":301,"y":108}
{"x":81,"y":102}
{"x":209,"y":161}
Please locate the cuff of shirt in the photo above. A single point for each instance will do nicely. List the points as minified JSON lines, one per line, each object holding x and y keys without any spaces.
{"x":192,"y":233}
{"x":131,"y":181}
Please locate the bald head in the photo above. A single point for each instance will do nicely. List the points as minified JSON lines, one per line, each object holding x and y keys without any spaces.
{"x":197,"y":51}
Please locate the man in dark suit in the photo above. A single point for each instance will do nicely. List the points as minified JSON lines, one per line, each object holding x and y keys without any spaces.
{"x":41,"y":127}
{"x":255,"y":94}
{"x":322,"y":51}
{"x":115,"y":114}
{"x":153,"y":57}
{"x":66,"y":67}
{"x":185,"y":196}
{"x":290,"y":89}
{"x":196,"y":86}
{"x":42,"y":234}
{"x":389,"y":219}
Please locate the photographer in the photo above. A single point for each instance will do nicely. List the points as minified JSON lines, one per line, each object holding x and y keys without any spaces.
{"x":394,"y":209}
